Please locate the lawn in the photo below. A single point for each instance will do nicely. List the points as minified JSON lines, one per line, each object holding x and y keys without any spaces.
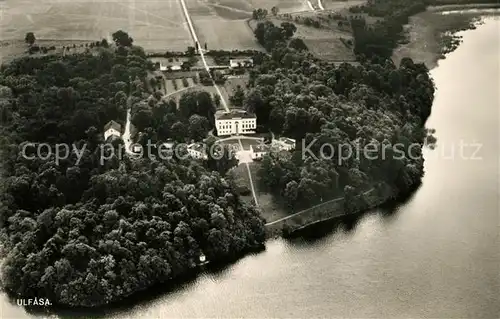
{"x":270,"y":207}
{"x":249,"y":142}
{"x":242,"y":180}
{"x":157,"y":25}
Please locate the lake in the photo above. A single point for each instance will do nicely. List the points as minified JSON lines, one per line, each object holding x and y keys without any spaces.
{"x":436,"y":255}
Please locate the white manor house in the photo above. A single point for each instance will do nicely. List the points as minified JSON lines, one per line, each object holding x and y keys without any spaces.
{"x":235,"y":122}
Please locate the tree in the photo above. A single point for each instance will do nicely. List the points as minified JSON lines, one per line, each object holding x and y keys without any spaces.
{"x":298,"y":44}
{"x":191,"y":51}
{"x":289,"y":29}
{"x":30,"y":38}
{"x":259,"y":14}
{"x":179,"y":131}
{"x":238,"y":96}
{"x":217,"y":100}
{"x":221,"y":158}
{"x":104,"y":43}
{"x":121,"y":38}
{"x":198,"y":127}
{"x":275,"y":10}
{"x":291,"y":193}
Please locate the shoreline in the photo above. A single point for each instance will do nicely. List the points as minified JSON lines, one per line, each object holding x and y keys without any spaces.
{"x":432,"y":34}
{"x":445,"y":42}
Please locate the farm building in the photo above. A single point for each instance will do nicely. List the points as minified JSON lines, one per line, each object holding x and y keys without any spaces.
{"x":112,"y":128}
{"x":168,"y":145}
{"x":197,"y":150}
{"x":166,"y":68}
{"x":258,"y":151}
{"x":164,"y":65}
{"x":166,"y":149}
{"x":285,"y":143}
{"x":235,"y":123}
{"x":137,"y":148}
{"x":240,"y":63}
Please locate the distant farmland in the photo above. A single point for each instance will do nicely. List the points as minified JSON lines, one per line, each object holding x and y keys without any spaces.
{"x":222,"y":24}
{"x":156,"y":25}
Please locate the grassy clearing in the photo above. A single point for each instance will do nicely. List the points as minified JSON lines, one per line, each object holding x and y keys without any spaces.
{"x":233,"y":82}
{"x":249,"y":142}
{"x":240,"y":175}
{"x":270,"y":208}
{"x":325,"y":43}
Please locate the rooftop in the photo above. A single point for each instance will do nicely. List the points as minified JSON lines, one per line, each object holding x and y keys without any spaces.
{"x":112,"y":125}
{"x":168,"y":144}
{"x":260,"y":148}
{"x":287,"y":140}
{"x":244,"y":60}
{"x":235,"y":114}
{"x":197,"y":147}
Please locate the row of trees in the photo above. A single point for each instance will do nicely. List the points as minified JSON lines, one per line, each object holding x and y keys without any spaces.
{"x":88,"y":229}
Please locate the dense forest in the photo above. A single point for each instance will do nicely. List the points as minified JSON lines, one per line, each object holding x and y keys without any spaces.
{"x":374,"y":104}
{"x":89,"y":229}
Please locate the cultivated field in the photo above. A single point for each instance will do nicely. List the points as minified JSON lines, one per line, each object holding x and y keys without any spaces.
{"x":284,"y":6}
{"x":221,"y":25}
{"x":157,"y":25}
{"x":337,"y":5}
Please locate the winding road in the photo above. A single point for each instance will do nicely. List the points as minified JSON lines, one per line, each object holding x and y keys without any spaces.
{"x":320,"y":5}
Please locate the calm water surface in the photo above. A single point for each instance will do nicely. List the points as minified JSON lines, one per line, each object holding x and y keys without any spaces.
{"x":436,"y":256}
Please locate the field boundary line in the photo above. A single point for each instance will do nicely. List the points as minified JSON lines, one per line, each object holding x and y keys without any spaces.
{"x":149,"y":13}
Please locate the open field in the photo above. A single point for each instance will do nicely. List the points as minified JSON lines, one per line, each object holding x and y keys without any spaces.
{"x":157,"y":25}
{"x":326,"y":43}
{"x":284,"y":6}
{"x":222,"y":24}
{"x":10,"y":49}
{"x":336,"y":5}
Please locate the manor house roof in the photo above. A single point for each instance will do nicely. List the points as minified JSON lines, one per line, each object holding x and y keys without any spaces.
{"x":235,"y":114}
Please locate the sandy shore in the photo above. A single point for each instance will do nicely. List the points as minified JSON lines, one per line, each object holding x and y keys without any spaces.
{"x":431,"y":34}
